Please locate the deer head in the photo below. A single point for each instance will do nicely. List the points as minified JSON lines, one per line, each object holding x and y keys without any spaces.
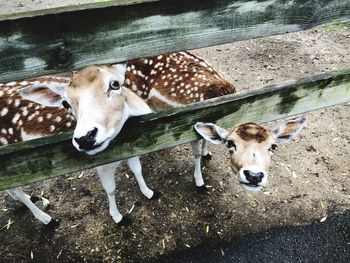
{"x":97,"y":99}
{"x":251,"y":147}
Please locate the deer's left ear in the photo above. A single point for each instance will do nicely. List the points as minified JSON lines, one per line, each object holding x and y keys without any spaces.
{"x":212,"y":132}
{"x":47,"y":94}
{"x":288,"y":130}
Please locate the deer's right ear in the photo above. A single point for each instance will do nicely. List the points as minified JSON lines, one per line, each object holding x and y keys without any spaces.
{"x":47,"y":94}
{"x":212,"y":132}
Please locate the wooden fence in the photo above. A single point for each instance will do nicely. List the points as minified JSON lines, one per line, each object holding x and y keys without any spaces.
{"x":57,"y":40}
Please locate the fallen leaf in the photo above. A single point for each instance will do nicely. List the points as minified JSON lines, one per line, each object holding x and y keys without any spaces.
{"x":323,"y":219}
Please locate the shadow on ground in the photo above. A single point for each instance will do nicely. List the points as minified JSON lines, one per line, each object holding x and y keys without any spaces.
{"x":328,"y":241}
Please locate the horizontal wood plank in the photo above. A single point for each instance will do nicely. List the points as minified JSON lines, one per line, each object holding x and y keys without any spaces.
{"x":49,"y":157}
{"x":59,"y":7}
{"x":52,"y":43}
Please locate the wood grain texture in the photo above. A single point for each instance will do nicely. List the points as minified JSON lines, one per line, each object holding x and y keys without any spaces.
{"x":49,"y":157}
{"x":52,"y":43}
{"x":62,"y":8}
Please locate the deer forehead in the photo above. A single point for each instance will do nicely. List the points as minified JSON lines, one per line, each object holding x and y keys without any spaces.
{"x":91,"y":84}
{"x":91,"y":77}
{"x":252,"y":132}
{"x":251,"y":137}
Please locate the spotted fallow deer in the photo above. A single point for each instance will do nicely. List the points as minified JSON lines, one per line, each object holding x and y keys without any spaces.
{"x":22,"y":120}
{"x":251,"y":147}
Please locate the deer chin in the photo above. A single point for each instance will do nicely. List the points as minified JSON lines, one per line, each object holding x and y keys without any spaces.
{"x":250,"y":187}
{"x":98,"y":147}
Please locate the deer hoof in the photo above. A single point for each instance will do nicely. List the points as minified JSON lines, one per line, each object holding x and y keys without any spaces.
{"x":156,"y":195}
{"x":53,"y":223}
{"x":126,"y":221}
{"x":34,"y":198}
{"x":202,"y":189}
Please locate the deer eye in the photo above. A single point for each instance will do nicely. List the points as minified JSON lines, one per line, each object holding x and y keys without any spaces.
{"x":230,"y":144}
{"x":114,"y":85}
{"x":66,"y":105}
{"x":273,"y":147}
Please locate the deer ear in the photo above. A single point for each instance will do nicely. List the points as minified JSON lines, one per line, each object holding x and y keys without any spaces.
{"x":288,"y":130}
{"x":136,"y":105}
{"x":211,"y":132}
{"x":47,"y":94}
{"x":120,"y":69}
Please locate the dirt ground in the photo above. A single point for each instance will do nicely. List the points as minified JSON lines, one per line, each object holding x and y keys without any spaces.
{"x":308,"y":181}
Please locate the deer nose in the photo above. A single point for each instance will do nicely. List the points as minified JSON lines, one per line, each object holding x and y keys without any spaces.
{"x":87,"y":142}
{"x":253,"y":178}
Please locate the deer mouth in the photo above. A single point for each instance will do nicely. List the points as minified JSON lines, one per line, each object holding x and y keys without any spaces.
{"x":251,"y":187}
{"x":97,"y":147}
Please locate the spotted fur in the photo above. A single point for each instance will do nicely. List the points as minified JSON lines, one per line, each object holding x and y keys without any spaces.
{"x":164,"y":81}
{"x":175,"y":79}
{"x":20,"y":117}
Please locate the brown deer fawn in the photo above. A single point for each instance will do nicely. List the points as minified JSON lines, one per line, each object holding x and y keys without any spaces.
{"x":101,"y":100}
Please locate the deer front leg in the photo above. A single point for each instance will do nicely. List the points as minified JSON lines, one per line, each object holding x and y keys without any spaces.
{"x":106,"y":174}
{"x":205,"y":153}
{"x":197,"y":152}
{"x":135,"y":166}
{"x":18,"y":195}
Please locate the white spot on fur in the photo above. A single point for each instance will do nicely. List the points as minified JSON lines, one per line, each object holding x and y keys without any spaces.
{"x":16,"y":118}
{"x":4,"y":111}
{"x":52,"y":128}
{"x":10,"y":131}
{"x":17,"y":102}
{"x":3,"y":140}
{"x":3,"y":131}
{"x":139,"y":72}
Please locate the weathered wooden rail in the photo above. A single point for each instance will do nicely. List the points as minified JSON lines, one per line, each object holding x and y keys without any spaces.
{"x":53,"y":156}
{"x":52,"y":42}
{"x":48,"y":41}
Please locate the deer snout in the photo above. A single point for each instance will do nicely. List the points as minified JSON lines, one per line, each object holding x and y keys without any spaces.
{"x":253,"y":178}
{"x":87,"y":142}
